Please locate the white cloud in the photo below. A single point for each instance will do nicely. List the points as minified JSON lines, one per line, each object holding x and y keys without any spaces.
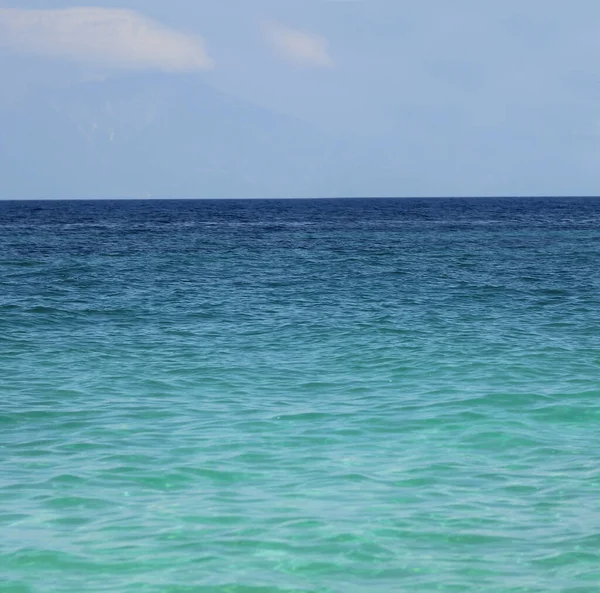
{"x":111,"y":37}
{"x":300,"y":46}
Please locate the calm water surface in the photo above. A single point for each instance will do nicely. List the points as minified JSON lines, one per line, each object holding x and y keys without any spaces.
{"x":300,"y":396}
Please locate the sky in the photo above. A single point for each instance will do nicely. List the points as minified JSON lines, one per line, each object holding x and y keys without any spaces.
{"x":306,"y":98}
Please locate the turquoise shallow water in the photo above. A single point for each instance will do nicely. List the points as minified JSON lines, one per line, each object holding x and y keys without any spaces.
{"x":316,"y":396}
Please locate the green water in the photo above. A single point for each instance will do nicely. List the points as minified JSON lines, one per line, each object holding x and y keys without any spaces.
{"x":336,"y":396}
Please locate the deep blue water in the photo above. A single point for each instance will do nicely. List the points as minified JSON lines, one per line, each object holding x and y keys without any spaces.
{"x":304,"y":395}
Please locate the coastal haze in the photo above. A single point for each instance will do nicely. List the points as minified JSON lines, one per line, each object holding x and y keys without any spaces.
{"x":298,"y":99}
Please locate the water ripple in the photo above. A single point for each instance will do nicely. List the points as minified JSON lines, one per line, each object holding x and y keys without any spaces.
{"x":300,"y":397}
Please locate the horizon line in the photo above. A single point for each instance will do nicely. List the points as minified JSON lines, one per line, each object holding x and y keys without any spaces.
{"x":281,"y":198}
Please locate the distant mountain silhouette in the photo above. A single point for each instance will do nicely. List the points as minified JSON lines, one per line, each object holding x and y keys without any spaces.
{"x":162,"y":136}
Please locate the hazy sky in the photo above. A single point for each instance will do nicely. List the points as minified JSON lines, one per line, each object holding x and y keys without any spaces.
{"x":298,"y":98}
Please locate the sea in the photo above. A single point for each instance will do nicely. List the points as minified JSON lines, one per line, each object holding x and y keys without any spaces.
{"x":300,"y":396}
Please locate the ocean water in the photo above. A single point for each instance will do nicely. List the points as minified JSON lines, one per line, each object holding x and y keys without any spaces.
{"x":300,"y":396}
